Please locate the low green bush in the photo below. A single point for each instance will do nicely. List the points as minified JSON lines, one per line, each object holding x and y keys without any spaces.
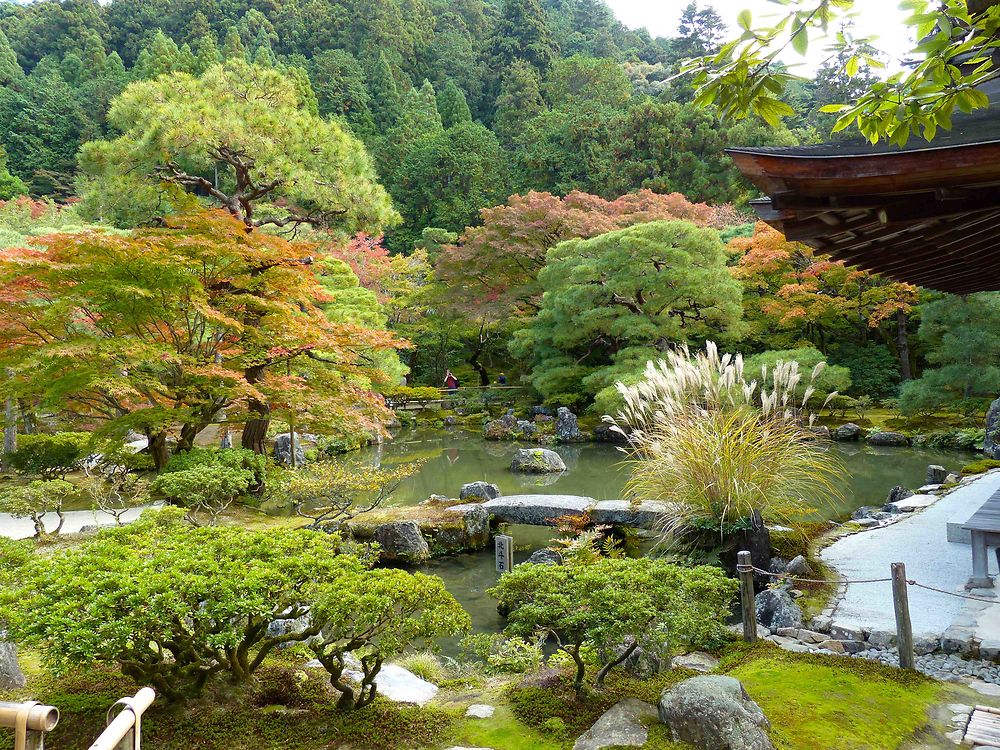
{"x":958,"y":439}
{"x":50,"y":456}
{"x":978,"y":467}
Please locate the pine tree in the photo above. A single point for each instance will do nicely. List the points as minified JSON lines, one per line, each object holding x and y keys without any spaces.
{"x":198,"y":27}
{"x":386,"y":102}
{"x":521,"y":33}
{"x":206,"y":53}
{"x":519,"y":101}
{"x":114,"y":67}
{"x":263,"y":55}
{"x":452,"y":105}
{"x":164,"y":57}
{"x":10,"y":71}
{"x":94,"y":57}
{"x":186,"y":62}
{"x":232,"y":47}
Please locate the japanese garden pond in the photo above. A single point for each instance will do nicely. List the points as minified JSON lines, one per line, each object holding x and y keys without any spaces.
{"x":454,"y":456}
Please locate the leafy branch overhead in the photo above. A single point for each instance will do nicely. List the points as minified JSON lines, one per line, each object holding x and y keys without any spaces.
{"x":952,"y":61}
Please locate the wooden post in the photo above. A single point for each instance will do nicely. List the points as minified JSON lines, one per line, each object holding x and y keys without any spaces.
{"x":505,"y":553}
{"x":904,"y":630}
{"x":744,"y":565}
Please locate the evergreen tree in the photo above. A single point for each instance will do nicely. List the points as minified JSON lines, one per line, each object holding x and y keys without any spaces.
{"x":164,"y":57}
{"x":232,"y":47}
{"x":387,"y":104}
{"x":198,"y":28}
{"x":206,"y":53}
{"x":263,"y":55}
{"x":94,"y":57}
{"x":452,"y":106}
{"x":186,"y":62}
{"x":520,"y":100}
{"x":10,"y":186}
{"x":521,"y":33}
{"x":10,"y":71}
{"x":339,"y":82}
{"x":114,"y":67}
{"x":699,"y":32}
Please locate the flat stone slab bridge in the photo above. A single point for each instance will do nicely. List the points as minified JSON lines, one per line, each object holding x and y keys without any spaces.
{"x":540,"y":510}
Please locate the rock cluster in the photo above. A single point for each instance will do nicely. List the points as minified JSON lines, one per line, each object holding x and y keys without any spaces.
{"x":283,"y":449}
{"x":567,"y":429}
{"x":479,"y":490}
{"x":892,"y":439}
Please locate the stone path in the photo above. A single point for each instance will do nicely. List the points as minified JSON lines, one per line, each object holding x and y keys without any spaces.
{"x":919,"y":541}
{"x":539,"y":510}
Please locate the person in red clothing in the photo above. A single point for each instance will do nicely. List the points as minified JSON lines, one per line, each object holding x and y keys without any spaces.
{"x":450,"y":381}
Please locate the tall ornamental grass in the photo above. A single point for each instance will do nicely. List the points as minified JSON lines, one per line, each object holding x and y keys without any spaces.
{"x":722,"y":449}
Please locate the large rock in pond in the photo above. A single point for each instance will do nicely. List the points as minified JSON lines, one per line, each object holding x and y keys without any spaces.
{"x":849,"y":431}
{"x":472,"y":533}
{"x":623,"y":725}
{"x":775,"y":609}
{"x":714,"y":712}
{"x":401,"y":541}
{"x":544,"y":556}
{"x":991,"y":443}
{"x":537,"y":461}
{"x":567,"y":429}
{"x":283,"y":449}
{"x":605,"y":433}
{"x":503,"y":428}
{"x":896,"y":494}
{"x":479,"y":490}
{"x":890,"y":439}
{"x":11,"y":677}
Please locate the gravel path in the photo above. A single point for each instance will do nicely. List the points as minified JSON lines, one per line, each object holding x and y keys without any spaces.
{"x":22,"y":528}
{"x":920,"y":542}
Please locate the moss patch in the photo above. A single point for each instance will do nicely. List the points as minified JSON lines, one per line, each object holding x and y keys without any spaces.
{"x":831,"y":703}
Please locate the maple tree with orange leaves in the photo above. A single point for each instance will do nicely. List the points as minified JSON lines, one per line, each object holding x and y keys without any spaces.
{"x":161,"y":329}
{"x":791,"y":291}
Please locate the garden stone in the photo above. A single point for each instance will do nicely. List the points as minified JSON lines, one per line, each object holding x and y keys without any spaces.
{"x":567,"y":429}
{"x":540,"y":411}
{"x":537,"y":461}
{"x":989,"y":650}
{"x":479,"y":711}
{"x":283,"y":449}
{"x":696,"y":661}
{"x":911,"y":503}
{"x":399,"y":685}
{"x":776,"y":609}
{"x":834,"y":646}
{"x":882,"y":639}
{"x":714,"y":712}
{"x":799,"y":566}
{"x":896,"y":494}
{"x":502,"y":428}
{"x":401,"y":541}
{"x":991,"y":444}
{"x":605,"y":433}
{"x":89,"y":528}
{"x":842,"y":633}
{"x":891,"y":439}
{"x":849,"y":431}
{"x":778,"y":565}
{"x":474,"y":532}
{"x":821,"y":431}
{"x":483,"y":490}
{"x":526,"y":429}
{"x":278,"y":628}
{"x":935,"y":474}
{"x":923,"y":645}
{"x":623,"y":725}
{"x":544,"y":556}
{"x":11,"y":676}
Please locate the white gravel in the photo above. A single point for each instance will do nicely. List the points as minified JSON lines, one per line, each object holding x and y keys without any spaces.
{"x":920,"y":542}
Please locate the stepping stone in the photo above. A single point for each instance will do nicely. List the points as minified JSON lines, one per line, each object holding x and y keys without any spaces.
{"x":400,"y":685}
{"x":911,"y":503}
{"x":479,"y":711}
{"x":623,"y":725}
{"x":698,"y":661}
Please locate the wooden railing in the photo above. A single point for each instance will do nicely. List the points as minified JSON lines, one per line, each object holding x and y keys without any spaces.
{"x":31,"y":721}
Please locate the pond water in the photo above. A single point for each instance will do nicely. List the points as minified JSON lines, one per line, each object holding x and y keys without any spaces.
{"x":453,"y":457}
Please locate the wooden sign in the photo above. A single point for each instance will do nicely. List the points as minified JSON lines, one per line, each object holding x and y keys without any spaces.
{"x":505,"y":553}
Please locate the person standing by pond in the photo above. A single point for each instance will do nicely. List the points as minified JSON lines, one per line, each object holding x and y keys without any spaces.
{"x":450,"y":381}
{"x":502,"y":379}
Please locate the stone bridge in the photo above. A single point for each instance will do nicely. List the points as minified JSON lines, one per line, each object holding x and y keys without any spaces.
{"x":539,"y":510}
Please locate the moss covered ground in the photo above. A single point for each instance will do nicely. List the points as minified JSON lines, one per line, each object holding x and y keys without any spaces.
{"x":813,"y":702}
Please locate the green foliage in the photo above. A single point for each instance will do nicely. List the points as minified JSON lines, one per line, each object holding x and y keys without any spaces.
{"x":652,"y":604}
{"x":36,"y":499}
{"x":172,"y":606}
{"x":10,"y":185}
{"x":252,"y":125}
{"x":962,"y":336}
{"x":50,"y":456}
{"x":978,"y":467}
{"x":452,"y":105}
{"x":204,"y":488}
{"x":504,"y":655}
{"x":874,"y":371}
{"x":339,"y":81}
{"x":831,"y":378}
{"x":967,"y":439}
{"x":611,"y":301}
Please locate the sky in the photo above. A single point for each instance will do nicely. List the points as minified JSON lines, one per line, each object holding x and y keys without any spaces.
{"x":873,"y":17}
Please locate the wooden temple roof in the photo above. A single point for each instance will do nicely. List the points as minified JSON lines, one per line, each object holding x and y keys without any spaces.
{"x":926,"y":213}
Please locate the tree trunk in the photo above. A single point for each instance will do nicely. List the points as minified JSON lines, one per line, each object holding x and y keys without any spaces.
{"x":903,"y":346}
{"x":27,"y":416}
{"x":255,"y":429}
{"x":9,"y":427}
{"x":158,"y":449}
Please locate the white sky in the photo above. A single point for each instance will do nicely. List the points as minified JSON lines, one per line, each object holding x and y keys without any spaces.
{"x":872,"y":17}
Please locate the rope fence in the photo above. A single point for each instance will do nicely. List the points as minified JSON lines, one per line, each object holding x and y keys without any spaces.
{"x":900,"y":600}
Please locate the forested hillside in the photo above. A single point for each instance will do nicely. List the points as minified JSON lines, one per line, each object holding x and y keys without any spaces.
{"x":460,"y":102}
